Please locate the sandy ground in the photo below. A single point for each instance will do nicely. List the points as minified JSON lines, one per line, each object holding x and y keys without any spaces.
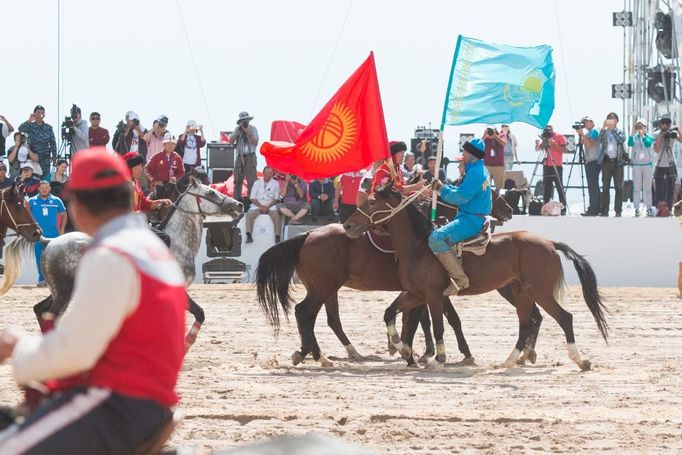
{"x":238,"y":385}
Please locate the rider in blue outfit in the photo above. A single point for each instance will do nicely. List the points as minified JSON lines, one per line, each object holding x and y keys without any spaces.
{"x":474,"y":199}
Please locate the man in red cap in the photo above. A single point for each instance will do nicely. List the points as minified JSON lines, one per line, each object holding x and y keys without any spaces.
{"x":384,"y":175}
{"x":122,"y":339}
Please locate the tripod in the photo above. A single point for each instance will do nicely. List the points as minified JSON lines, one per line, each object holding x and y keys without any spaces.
{"x":580,"y":149}
{"x":557,"y":176}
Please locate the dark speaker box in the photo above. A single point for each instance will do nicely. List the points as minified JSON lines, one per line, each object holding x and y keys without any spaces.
{"x":220,"y":175}
{"x":220,"y":155}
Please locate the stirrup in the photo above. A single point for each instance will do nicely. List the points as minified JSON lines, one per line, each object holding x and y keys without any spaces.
{"x":452,"y":289}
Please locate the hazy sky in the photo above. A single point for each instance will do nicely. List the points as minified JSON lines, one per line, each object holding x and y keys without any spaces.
{"x":270,"y":57}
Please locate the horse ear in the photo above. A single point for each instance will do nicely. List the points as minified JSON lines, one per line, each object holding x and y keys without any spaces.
{"x":193,"y":181}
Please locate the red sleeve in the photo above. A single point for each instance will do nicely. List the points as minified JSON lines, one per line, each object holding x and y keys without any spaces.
{"x":180,"y":166}
{"x":152,"y":165}
{"x":145,"y":203}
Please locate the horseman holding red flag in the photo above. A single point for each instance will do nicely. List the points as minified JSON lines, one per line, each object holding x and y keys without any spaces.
{"x":387,"y":173}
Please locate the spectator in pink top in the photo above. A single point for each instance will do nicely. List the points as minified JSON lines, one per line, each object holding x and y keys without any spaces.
{"x":494,"y":155}
{"x":154,"y":138}
{"x":554,"y":146}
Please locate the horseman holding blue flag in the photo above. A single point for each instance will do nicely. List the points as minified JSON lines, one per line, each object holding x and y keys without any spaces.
{"x":474,"y":199}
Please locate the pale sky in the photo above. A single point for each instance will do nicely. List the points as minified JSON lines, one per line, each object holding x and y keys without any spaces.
{"x":269,"y":57}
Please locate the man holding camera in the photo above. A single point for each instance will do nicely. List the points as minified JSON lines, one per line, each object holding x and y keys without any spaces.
{"x":155,"y":137}
{"x":642,"y":165}
{"x":40,"y":138}
{"x":588,"y":136}
{"x":494,"y":155}
{"x":128,"y":136}
{"x":79,"y":137}
{"x":554,"y":146}
{"x":665,"y":172}
{"x":613,"y":158}
{"x":245,"y":138}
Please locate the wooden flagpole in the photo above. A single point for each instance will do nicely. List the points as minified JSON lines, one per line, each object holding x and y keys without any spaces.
{"x":439,"y":156}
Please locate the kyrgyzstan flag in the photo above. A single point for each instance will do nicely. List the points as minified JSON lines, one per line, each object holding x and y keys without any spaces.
{"x":348,"y":134}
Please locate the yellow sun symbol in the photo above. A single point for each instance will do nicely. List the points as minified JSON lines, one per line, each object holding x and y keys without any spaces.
{"x":337,"y":135}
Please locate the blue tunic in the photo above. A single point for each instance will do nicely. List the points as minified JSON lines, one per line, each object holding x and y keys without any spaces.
{"x":474,"y":199}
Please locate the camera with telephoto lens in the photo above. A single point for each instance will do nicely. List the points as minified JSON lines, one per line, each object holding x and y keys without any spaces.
{"x":671,"y":134}
{"x":547,"y":133}
{"x":578,"y":125}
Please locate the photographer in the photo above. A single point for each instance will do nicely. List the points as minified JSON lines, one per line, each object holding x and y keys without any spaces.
{"x":154,"y":138}
{"x":79,"y":132}
{"x":294,"y":201}
{"x":642,"y":165}
{"x":665,"y":172}
{"x":245,"y":138}
{"x":6,"y":129}
{"x":128,"y":136}
{"x":494,"y":155}
{"x":40,"y":138}
{"x":20,"y":154}
{"x":612,"y":157}
{"x":189,"y":145}
{"x":554,"y":146}
{"x":589,"y":136}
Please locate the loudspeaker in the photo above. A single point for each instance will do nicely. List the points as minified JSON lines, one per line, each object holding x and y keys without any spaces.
{"x":223,"y":239}
{"x":220,"y":155}
{"x":220,"y":175}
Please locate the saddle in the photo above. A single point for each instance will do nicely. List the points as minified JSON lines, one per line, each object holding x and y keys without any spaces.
{"x":381,"y":241}
{"x":476,"y":244}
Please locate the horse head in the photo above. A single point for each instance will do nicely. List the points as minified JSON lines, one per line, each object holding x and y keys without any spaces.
{"x":374,"y":212}
{"x":204,"y":200}
{"x":501,"y":210}
{"x":16,"y":215}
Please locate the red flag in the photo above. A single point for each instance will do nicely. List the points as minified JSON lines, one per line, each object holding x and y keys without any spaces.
{"x":348,"y":134}
{"x":285,"y":130}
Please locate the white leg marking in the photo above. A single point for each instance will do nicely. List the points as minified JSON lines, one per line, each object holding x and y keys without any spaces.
{"x":511,"y":360}
{"x":352,"y":352}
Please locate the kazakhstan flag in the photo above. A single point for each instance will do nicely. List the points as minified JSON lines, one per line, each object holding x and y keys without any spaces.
{"x":494,"y":83}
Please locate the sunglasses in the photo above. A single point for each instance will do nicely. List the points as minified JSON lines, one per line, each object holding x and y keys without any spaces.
{"x":94,"y":118}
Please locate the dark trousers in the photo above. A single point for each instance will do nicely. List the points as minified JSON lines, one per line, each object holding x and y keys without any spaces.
{"x":44,"y":162}
{"x":611,"y":170}
{"x":664,"y":183}
{"x":244,"y":166}
{"x":345,"y":211}
{"x":592,"y":170}
{"x":86,"y":421}
{"x":550,"y":179}
{"x":320,"y":207}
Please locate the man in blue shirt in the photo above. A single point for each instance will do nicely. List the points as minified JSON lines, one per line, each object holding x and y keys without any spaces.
{"x":589,"y":136}
{"x":40,"y":138}
{"x":46,"y":209}
{"x":474,"y":199}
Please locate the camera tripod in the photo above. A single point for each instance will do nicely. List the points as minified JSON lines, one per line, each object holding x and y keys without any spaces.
{"x":580,"y":154}
{"x":557,"y":176}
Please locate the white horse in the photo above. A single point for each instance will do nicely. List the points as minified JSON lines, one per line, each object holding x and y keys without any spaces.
{"x":183,"y":225}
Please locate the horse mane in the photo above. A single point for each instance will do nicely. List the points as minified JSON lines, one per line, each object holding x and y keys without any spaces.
{"x":421,"y":224}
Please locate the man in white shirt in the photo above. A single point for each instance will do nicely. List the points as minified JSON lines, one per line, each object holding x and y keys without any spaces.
{"x":264,"y":198}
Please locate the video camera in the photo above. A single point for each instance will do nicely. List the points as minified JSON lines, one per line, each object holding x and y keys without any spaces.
{"x":578,"y":125}
{"x":670,"y":134}
{"x":547,"y":133}
{"x":69,"y":123}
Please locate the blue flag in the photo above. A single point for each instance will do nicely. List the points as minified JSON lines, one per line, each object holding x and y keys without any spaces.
{"x":494,"y":83}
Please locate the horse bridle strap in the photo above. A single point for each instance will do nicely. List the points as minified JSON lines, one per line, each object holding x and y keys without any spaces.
{"x":392,"y":211}
{"x":5,"y":207}
{"x":198,"y":197}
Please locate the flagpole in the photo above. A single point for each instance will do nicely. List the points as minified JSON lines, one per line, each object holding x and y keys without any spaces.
{"x":439,"y":155}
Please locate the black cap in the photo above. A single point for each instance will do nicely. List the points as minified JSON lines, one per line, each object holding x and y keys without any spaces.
{"x":397,"y":146}
{"x":38,"y":108}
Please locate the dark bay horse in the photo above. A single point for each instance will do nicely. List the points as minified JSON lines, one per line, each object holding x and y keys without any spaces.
{"x":522,"y":260}
{"x":326,"y":259}
{"x":15,"y":215}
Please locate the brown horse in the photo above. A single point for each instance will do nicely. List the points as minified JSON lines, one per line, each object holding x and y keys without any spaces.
{"x":677,"y":209}
{"x":357,"y":264}
{"x":15,"y":215}
{"x":522,"y":260}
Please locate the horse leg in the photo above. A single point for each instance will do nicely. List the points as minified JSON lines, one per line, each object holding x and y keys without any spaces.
{"x":301,"y":317}
{"x":435,"y":303}
{"x":199,"y":317}
{"x":334,"y":322}
{"x":456,"y":324}
{"x":411,"y":321}
{"x":43,"y":313}
{"x":306,"y":314}
{"x":389,"y":318}
{"x":403,"y":302}
{"x":565,"y":319}
{"x":524,"y":304}
{"x":425,"y":323}
{"x":509,"y":292}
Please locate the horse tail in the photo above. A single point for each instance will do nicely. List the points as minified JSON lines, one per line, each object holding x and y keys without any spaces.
{"x":14,"y":253}
{"x":276,"y":268}
{"x":588,"y":280}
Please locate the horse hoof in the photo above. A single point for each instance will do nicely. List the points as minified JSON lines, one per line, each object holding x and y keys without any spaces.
{"x":391,"y":349}
{"x":532,"y":356}
{"x":326,"y":363}
{"x":423,"y":360}
{"x":586,"y":365}
{"x":353,"y":354}
{"x":469,"y":362}
{"x":405,"y":351}
{"x":296,"y":358}
{"x":412,"y":364}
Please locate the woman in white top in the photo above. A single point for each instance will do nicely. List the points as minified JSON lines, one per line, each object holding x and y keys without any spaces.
{"x":189,"y":145}
{"x":20,"y":154}
{"x":510,"y":156}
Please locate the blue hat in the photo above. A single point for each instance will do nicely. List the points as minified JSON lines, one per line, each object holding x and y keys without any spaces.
{"x":476,"y":147}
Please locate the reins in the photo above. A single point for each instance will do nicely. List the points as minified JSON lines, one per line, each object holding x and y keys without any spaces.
{"x":392,"y":211}
{"x":176,"y":206}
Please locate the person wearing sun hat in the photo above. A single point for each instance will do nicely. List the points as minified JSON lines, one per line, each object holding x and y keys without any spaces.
{"x":642,"y":151}
{"x":474,"y":199}
{"x":115,"y":355}
{"x":245,"y":139}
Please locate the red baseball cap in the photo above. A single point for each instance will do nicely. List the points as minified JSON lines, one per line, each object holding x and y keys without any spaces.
{"x":96,"y":169}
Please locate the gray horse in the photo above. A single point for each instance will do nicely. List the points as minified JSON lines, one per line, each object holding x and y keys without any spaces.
{"x":183,"y":225}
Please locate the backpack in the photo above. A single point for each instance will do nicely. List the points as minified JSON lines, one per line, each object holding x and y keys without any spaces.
{"x":535,"y":206}
{"x":513,"y":197}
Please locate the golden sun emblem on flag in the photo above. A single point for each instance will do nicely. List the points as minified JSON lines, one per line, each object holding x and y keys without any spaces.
{"x":337,"y":135}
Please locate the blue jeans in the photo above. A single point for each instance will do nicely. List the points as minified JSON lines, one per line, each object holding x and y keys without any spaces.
{"x":461,"y":228}
{"x":39,"y":253}
{"x":592,"y":171}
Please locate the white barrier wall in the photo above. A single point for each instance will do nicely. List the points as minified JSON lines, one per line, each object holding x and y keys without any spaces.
{"x":622,"y":251}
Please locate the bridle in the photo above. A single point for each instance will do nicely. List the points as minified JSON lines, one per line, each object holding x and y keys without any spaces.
{"x":392,"y":211}
{"x":5,"y":207}
{"x":198,"y":197}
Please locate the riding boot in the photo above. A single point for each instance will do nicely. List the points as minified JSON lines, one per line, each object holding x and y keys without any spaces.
{"x":453,"y":265}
